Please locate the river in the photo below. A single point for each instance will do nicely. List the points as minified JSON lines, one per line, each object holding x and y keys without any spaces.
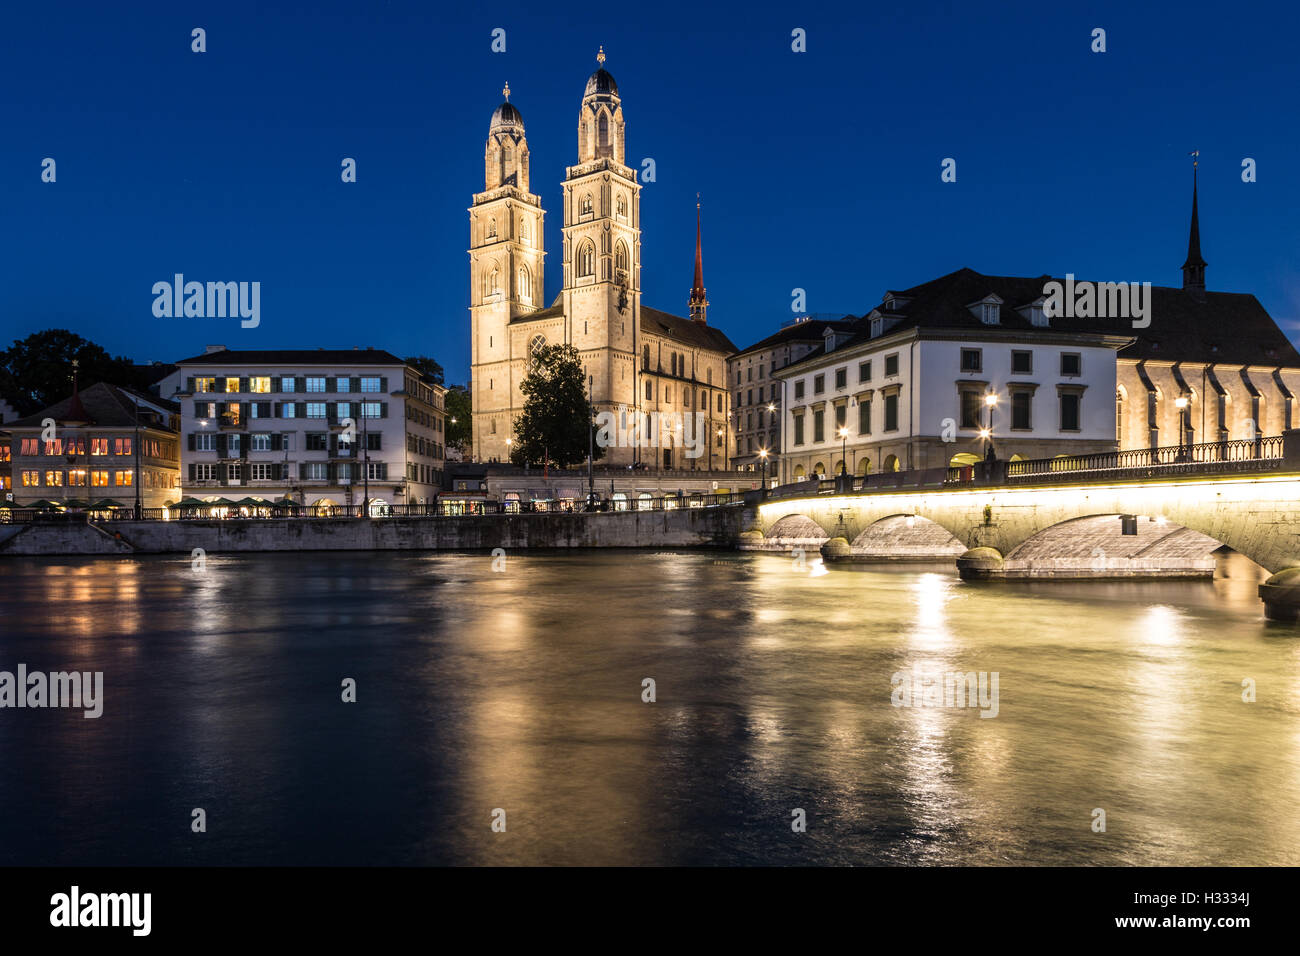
{"x":520,"y":689}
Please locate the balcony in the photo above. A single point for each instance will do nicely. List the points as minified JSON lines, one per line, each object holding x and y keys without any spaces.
{"x":229,"y":422}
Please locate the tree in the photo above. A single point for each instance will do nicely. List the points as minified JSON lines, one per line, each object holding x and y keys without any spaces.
{"x":557,"y":417}
{"x":429,"y":369}
{"x":459,"y":407}
{"x":36,"y":372}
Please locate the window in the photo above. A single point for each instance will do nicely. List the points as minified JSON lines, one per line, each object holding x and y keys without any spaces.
{"x":749,"y":374}
{"x":989,"y":313}
{"x":32,"y":446}
{"x":288,"y":384}
{"x":1071,"y":363}
{"x":1022,"y":363}
{"x":342,"y":410}
{"x":798,"y":389}
{"x":315,"y":409}
{"x":620,"y":256}
{"x":123,"y":479}
{"x":891,"y":413}
{"x":316,"y":383}
{"x":261,"y":385}
{"x":122,"y":446}
{"x":205,"y":472}
{"x":971,"y":360}
{"x":234,"y":472}
{"x":841,"y":377}
{"x":259,"y":442}
{"x":31,"y":479}
{"x":819,"y":384}
{"x":289,"y":410}
{"x":54,"y":479}
{"x":620,"y":207}
{"x":841,"y":416}
{"x":864,"y":372}
{"x":648,"y":390}
{"x":586,"y":207}
{"x":315,"y":469}
{"x":1070,"y":411}
{"x":370,"y":383}
{"x":373,"y":440}
{"x":99,"y":479}
{"x":864,"y":417}
{"x":261,"y":471}
{"x":819,"y":425}
{"x":891,"y":364}
{"x":205,"y":442}
{"x":232,"y":385}
{"x":645,"y":357}
{"x":233,"y":445}
{"x":316,"y":441}
{"x":54,"y":448}
{"x":99,"y":446}
{"x":970,"y":408}
{"x":1021,"y":403}
{"x":205,"y":385}
{"x":525,"y":284}
{"x":798,"y":429}
{"x":371,"y":409}
{"x":343,"y":385}
{"x":377,"y":470}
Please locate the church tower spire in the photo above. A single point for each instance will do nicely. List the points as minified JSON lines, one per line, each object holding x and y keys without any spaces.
{"x":699,"y":305}
{"x":1194,"y":267}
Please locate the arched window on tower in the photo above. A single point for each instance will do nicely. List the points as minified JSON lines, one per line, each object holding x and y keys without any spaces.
{"x":491,"y":282}
{"x":525,"y":232}
{"x":602,"y":136}
{"x":586,"y":205}
{"x":586,"y":261}
{"x":525,"y":284}
{"x":492,"y":229}
{"x":645,"y":357}
{"x":620,"y":256}
{"x":620,"y":206}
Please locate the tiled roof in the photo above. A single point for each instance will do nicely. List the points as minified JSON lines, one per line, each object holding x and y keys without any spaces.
{"x":1220,"y":327}
{"x":809,"y":331}
{"x":105,"y":405}
{"x":295,"y":357}
{"x":684,"y":330}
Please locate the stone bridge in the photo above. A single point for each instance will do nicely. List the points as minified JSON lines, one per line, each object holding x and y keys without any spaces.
{"x":997,"y":529}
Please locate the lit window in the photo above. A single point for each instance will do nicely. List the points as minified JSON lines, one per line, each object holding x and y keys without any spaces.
{"x":261,"y":385}
{"x":232,"y":385}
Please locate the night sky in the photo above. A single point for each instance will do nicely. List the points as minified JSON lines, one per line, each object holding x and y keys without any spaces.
{"x":818,"y":170}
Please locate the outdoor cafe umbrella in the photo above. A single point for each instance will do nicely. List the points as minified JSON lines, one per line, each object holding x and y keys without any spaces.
{"x":251,"y":502}
{"x":43,"y":504}
{"x":76,"y":503}
{"x":109,"y":503}
{"x":185,"y":503}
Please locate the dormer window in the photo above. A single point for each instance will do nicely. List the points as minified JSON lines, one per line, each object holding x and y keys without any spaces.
{"x":987,"y":310}
{"x":877,"y":325}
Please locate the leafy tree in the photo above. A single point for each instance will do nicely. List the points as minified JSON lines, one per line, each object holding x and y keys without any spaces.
{"x":459,"y":406}
{"x":557,"y":417}
{"x":427,"y":367}
{"x":36,"y":372}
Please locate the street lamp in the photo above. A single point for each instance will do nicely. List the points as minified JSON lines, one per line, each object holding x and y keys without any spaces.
{"x":762,"y":453}
{"x":844,"y":450}
{"x":990,"y":402}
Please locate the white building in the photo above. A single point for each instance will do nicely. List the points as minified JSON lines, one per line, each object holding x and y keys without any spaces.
{"x":315,"y":426}
{"x":940,"y":374}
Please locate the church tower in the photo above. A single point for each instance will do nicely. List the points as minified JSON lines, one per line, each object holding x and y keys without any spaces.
{"x":602,"y":250}
{"x":506,"y":279}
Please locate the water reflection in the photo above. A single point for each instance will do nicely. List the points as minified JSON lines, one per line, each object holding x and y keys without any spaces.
{"x":522,"y":690}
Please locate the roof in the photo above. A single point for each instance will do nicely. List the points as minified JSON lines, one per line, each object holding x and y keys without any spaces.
{"x":507,"y":114}
{"x":104,"y":405}
{"x":295,"y":357}
{"x":686,"y":331}
{"x":601,"y":82}
{"x":1185,"y":325}
{"x":809,"y":331}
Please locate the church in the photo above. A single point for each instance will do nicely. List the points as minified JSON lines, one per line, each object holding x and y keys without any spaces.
{"x":641,"y":363}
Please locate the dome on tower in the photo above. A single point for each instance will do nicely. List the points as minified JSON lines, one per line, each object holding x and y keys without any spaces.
{"x":601,"y":82}
{"x":506,"y":114}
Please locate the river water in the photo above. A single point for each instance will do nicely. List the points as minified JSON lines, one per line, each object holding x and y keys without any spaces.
{"x":521,"y":690}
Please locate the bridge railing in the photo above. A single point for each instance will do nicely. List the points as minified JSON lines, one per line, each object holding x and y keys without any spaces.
{"x":1260,"y":454}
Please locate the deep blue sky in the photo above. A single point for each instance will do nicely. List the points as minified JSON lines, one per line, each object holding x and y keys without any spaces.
{"x":818,"y":170}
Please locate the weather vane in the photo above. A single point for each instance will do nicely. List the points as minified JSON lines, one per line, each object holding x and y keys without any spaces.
{"x":1196,"y":157}
{"x":506,"y":91}
{"x":600,"y":55}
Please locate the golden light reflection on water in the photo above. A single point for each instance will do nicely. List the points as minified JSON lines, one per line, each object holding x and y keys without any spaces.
{"x":523,"y":690}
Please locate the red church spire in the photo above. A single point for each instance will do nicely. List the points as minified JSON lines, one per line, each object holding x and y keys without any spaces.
{"x":699,"y":304}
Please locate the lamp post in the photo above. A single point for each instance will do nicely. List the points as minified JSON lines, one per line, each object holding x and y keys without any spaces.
{"x":1181,"y":402}
{"x":990,"y":402}
{"x":138,"y":511}
{"x":762,"y":454}
{"x":365,"y":463}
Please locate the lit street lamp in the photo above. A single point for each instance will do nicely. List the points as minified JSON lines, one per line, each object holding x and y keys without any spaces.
{"x":762,"y":454}
{"x":990,"y":402}
{"x":1181,"y":402}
